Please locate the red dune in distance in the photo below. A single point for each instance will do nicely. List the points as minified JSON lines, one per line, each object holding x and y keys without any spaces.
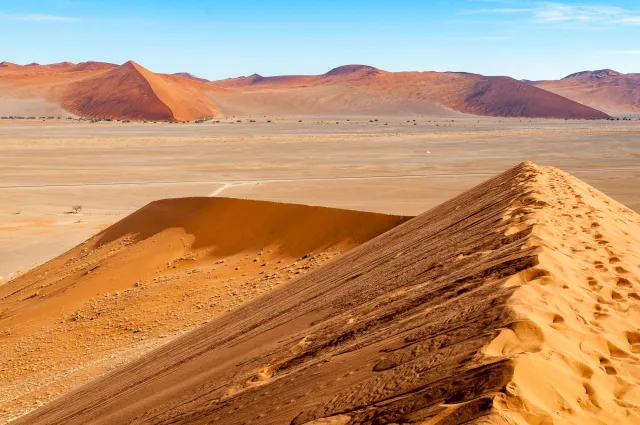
{"x":367,"y":90}
{"x":93,"y":66}
{"x":607,"y":90}
{"x":129,"y":91}
{"x":103,"y":90}
{"x":191,"y":77}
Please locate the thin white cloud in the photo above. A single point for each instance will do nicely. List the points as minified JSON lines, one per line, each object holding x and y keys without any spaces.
{"x":561,"y":13}
{"x":501,"y":11}
{"x":623,"y":52}
{"x":557,"y":12}
{"x":57,"y":18}
{"x":40,"y":18}
{"x":633,"y":20}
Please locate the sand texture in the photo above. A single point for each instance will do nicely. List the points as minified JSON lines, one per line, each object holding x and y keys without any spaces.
{"x":514,"y":303}
{"x":156,"y":274}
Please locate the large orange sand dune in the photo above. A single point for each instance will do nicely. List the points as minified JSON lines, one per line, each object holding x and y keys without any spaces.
{"x":165,"y":269}
{"x":517,"y":302}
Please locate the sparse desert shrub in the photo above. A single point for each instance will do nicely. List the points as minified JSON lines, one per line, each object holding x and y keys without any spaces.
{"x":76,"y":209}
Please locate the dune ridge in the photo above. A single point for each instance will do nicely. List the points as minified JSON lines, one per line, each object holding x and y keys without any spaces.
{"x":165,"y":269}
{"x":514,"y":303}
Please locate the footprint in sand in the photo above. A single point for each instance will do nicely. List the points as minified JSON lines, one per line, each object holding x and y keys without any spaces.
{"x":623,"y":283}
{"x":607,"y":366}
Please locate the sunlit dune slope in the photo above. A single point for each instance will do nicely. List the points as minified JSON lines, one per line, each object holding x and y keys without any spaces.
{"x":516,"y":302}
{"x":165,"y":269}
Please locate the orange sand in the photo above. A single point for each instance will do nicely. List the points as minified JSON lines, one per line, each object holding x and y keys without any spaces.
{"x":165,"y":269}
{"x":516,"y":302}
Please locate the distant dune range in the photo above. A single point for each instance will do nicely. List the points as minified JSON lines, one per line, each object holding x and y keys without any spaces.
{"x":365,"y":90}
{"x":606,"y":90}
{"x":129,"y":91}
{"x":516,"y":302}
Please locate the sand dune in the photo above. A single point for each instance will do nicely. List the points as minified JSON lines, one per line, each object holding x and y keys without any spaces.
{"x":129,"y":91}
{"x":133,"y":92}
{"x":516,"y":302}
{"x":364,"y":90}
{"x":607,"y":90}
{"x":165,"y":269}
{"x":103,"y":90}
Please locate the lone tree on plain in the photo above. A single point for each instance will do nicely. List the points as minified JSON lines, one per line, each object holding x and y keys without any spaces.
{"x":76,"y":209}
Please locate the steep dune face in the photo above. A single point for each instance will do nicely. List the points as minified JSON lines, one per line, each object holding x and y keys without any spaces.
{"x":123,"y":93}
{"x":162,"y":271}
{"x":607,"y":90}
{"x":516,"y":302}
{"x":132,"y":92}
{"x":359,"y":89}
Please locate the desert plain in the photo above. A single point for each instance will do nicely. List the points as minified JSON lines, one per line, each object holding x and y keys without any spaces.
{"x":76,"y":307}
{"x":393,"y":165}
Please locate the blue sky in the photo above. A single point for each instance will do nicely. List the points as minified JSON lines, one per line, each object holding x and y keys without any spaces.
{"x":215,"y":39}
